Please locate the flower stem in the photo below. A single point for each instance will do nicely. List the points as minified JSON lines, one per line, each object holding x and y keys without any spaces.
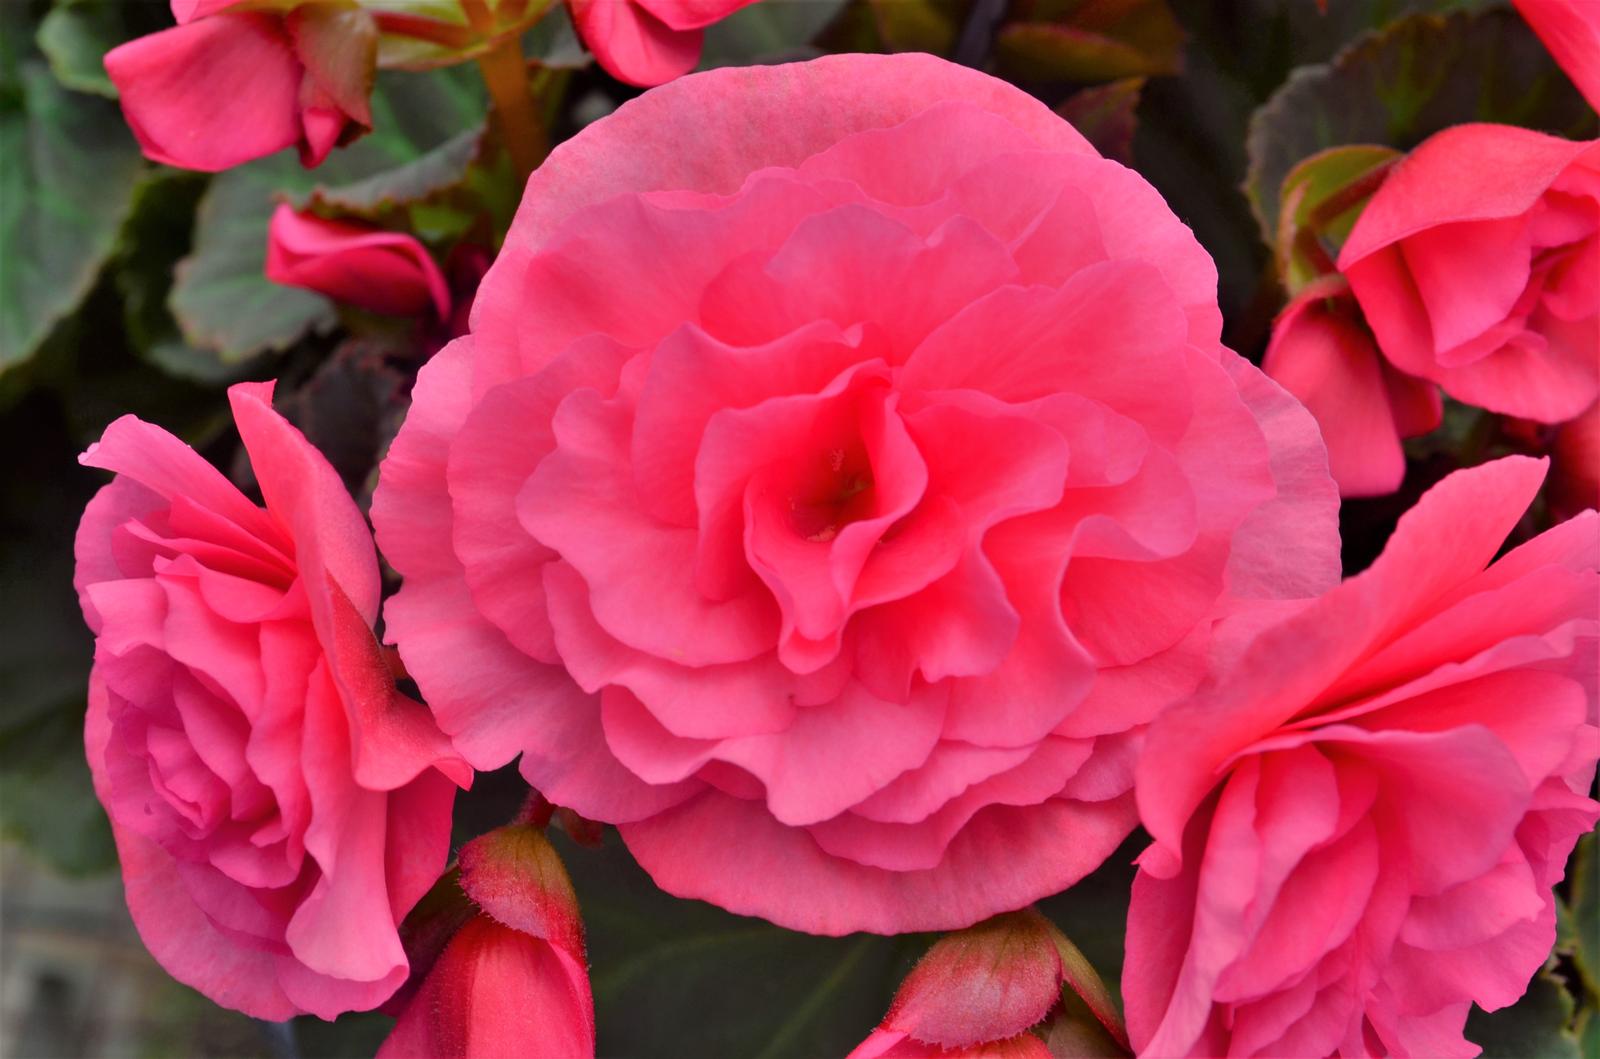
{"x":418,"y":27}
{"x":505,"y":72}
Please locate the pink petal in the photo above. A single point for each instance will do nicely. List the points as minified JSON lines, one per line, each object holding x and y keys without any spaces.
{"x":211,"y":94}
{"x":490,"y":459}
{"x":1333,"y":367}
{"x":632,"y":44}
{"x":491,"y":992}
{"x":384,"y":272}
{"x":580,"y":502}
{"x":784,"y":877}
{"x":1465,"y":173}
{"x":175,"y":931}
{"x":746,"y":119}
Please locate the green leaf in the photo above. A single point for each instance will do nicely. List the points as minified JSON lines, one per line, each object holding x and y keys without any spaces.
{"x":1399,"y":86}
{"x":222,"y":299}
{"x":1536,"y":1025}
{"x":553,"y":42}
{"x":678,"y":978}
{"x":46,"y":799}
{"x":157,"y":234}
{"x":1585,"y":908}
{"x":66,"y":183}
{"x":919,"y":25}
{"x":1308,"y":191}
{"x":1107,"y":115}
{"x":430,"y":34}
{"x":1080,"y":41}
{"x":75,"y":37}
{"x":1587,"y":1030}
{"x":767,"y":32}
{"x":351,"y":408}
{"x":355,"y":1034}
{"x":428,"y":175}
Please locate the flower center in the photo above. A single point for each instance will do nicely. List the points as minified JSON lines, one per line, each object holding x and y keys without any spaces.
{"x":839,"y":490}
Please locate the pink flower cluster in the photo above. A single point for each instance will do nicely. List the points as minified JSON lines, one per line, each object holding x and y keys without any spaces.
{"x":861,"y":511}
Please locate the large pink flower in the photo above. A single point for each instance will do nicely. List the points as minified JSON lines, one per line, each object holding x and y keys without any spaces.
{"x":830,"y":504}
{"x":278,"y":806}
{"x":1358,"y":826}
{"x":1477,"y":265}
{"x":648,"y":42}
{"x":240,"y":79}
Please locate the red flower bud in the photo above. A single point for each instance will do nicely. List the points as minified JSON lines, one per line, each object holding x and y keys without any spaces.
{"x":980,"y":991}
{"x":225,"y":86}
{"x":512,"y":980}
{"x":361,"y":265}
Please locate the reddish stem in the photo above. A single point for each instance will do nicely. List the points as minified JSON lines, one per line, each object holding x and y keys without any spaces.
{"x":417,"y":27}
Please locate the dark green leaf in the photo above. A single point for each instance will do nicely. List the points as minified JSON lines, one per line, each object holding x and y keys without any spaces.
{"x":46,"y":800}
{"x":1587,"y":1030}
{"x":158,"y":233}
{"x":1585,"y":908}
{"x":352,"y":1036}
{"x":1107,"y":116}
{"x":1075,"y":41}
{"x":1535,"y":1026}
{"x":553,"y":42}
{"x":222,"y":299}
{"x":919,"y":25}
{"x":680,"y":978}
{"x":350,"y":409}
{"x":767,"y":32}
{"x":453,"y":38}
{"x":75,"y":37}
{"x":1311,"y":184}
{"x":1399,"y":86}
{"x":428,"y":175}
{"x":66,"y":183}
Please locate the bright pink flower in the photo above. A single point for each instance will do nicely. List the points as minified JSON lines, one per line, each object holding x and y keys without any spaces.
{"x":278,"y":806}
{"x":1477,"y":264}
{"x":1322,"y":352}
{"x":1357,"y":827}
{"x":745,"y":513}
{"x":513,"y":979}
{"x":1571,"y":30}
{"x":225,"y":86}
{"x":979,"y":993}
{"x":361,"y":265}
{"x":647,"y":42}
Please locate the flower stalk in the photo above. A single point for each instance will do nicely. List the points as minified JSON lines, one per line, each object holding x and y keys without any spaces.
{"x":505,"y":73}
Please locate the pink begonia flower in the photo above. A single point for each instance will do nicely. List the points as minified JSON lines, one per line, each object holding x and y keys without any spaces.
{"x":745,"y":512}
{"x":226,"y":86}
{"x":278,"y":805}
{"x":980,"y":992}
{"x":1571,"y":30}
{"x":361,"y":265}
{"x":1357,"y":827}
{"x":513,"y":979}
{"x":1324,"y":355}
{"x":647,"y":42}
{"x":1477,"y":264}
